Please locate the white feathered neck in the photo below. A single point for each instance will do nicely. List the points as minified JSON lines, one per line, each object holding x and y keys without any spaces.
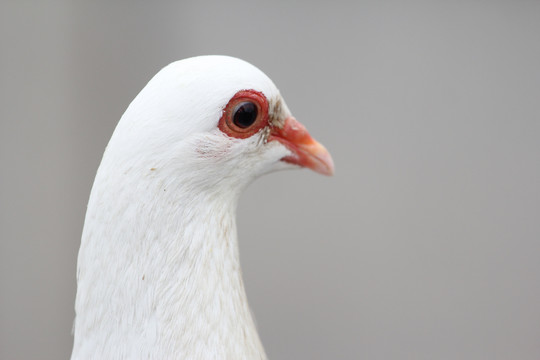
{"x":166,"y":280}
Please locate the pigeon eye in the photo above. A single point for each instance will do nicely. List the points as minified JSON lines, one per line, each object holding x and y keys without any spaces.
{"x":245,"y":114}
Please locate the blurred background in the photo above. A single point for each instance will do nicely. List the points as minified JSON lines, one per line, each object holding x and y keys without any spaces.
{"x":425,"y":244}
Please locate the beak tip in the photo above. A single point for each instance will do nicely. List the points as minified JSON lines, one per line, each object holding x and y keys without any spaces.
{"x":326,"y":165}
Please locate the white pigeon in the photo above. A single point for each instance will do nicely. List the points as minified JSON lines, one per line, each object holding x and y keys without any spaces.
{"x":158,"y":273}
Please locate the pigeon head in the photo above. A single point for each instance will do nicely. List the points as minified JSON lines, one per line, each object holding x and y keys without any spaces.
{"x":217,"y":119}
{"x":158,"y":269}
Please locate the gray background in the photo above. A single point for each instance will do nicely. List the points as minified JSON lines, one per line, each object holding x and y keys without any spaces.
{"x":426,"y":243}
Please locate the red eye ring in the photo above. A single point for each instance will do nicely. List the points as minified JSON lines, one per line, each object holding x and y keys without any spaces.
{"x":226,"y":123}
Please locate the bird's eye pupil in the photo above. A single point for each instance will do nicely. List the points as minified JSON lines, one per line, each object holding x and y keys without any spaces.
{"x":245,"y":114}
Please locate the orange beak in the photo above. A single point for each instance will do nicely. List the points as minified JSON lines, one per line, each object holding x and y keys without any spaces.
{"x":306,"y":151}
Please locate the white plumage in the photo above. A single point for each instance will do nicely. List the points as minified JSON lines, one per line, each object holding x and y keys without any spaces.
{"x":158,"y":269}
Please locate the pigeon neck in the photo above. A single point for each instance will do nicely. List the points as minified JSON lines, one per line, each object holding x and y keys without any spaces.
{"x":159,"y":276}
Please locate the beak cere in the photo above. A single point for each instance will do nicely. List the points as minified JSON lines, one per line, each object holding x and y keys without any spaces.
{"x":306,"y":151}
